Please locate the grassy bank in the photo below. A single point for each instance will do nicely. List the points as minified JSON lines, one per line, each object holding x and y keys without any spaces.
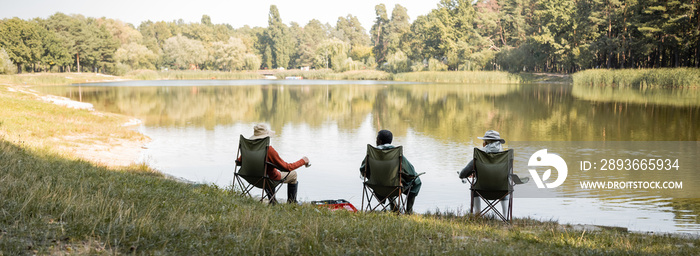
{"x":26,"y":118}
{"x":639,"y":78}
{"x":464,"y":77}
{"x":53,"y":203}
{"x":189,"y":75}
{"x":467,"y":77}
{"x":54,"y":78}
{"x":484,"y":77}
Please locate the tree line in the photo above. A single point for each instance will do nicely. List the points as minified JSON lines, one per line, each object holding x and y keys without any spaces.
{"x":512,"y":35}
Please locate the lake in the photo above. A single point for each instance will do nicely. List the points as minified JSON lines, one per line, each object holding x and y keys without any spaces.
{"x":195,"y":126}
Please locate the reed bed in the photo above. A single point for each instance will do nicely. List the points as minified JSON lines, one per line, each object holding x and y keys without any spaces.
{"x":639,"y":78}
{"x":190,"y":75}
{"x":328,"y":74}
{"x":468,"y":77}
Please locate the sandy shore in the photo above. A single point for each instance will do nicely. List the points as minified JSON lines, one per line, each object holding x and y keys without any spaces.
{"x":115,"y":152}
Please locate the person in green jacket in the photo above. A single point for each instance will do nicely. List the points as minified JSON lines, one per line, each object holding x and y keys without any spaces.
{"x":409,"y":177}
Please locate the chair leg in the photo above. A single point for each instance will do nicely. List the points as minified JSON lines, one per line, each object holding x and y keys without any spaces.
{"x":504,"y":206}
{"x":476,"y":204}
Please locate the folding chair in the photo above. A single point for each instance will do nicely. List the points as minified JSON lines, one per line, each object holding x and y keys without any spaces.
{"x":252,"y":168}
{"x":494,"y":181}
{"x":382,"y":180}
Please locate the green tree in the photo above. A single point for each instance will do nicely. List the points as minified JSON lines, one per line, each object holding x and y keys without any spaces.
{"x":448,"y":33}
{"x":182,"y":53}
{"x":89,"y":43}
{"x":125,"y":33}
{"x":136,"y":56}
{"x":53,"y":51}
{"x":313,"y":34}
{"x":277,"y":36}
{"x":251,"y":61}
{"x":350,"y":30}
{"x":398,"y":27}
{"x":21,"y":40}
{"x":267,"y":57}
{"x":332,"y":53}
{"x":379,"y":34}
{"x":229,"y":55}
{"x":398,"y":62}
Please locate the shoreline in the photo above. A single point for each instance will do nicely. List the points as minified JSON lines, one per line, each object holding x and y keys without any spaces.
{"x":114,"y":152}
{"x":57,"y":205}
{"x":117,"y":152}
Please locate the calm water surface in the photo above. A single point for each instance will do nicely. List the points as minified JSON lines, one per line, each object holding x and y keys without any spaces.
{"x":195,"y":125}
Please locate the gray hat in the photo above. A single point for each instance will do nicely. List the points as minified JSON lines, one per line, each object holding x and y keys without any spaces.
{"x":261,"y":131}
{"x":492,"y":135}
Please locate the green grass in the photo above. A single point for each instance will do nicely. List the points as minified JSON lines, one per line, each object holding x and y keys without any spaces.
{"x":54,"y":78}
{"x":55,"y":205}
{"x":639,"y":78}
{"x":26,"y":118}
{"x":190,"y":75}
{"x":327,"y":74}
{"x":52,"y":203}
{"x":470,"y":77}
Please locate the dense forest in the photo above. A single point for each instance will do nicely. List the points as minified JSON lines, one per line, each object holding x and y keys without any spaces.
{"x":512,"y":35}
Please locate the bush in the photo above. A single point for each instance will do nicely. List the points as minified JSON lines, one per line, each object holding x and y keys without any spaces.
{"x":120,"y":69}
{"x":6,"y":65}
{"x":251,"y":62}
{"x":436,"y":65}
{"x":397,"y":63}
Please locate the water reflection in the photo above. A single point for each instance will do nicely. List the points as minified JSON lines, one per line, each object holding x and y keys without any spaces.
{"x":195,"y":127}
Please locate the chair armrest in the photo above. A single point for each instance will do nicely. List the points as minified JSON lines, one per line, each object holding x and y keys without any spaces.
{"x":517,"y":180}
{"x":273,"y":165}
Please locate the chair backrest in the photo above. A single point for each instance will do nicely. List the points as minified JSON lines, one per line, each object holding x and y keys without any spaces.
{"x":384,"y":166}
{"x":253,"y":157}
{"x":492,"y":172}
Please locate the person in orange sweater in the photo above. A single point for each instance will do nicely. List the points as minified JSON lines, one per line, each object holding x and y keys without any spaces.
{"x":286,"y":169}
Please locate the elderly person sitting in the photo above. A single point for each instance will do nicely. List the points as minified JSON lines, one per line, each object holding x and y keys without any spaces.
{"x":492,"y":143}
{"x":287,"y":170}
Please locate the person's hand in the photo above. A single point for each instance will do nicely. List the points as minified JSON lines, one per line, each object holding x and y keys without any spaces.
{"x":306,"y":161}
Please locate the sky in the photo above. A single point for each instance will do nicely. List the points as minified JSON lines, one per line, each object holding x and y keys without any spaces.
{"x":234,"y":12}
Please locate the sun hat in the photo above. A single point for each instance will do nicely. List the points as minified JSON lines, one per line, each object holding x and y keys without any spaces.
{"x":261,"y":131}
{"x":492,"y":135}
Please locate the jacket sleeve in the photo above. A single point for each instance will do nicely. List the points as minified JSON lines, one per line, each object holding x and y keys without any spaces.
{"x":467,"y":170}
{"x":275,"y":159}
{"x":407,"y":169}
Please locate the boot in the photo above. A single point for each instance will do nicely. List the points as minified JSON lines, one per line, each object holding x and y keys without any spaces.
{"x":393,"y":205}
{"x":410,"y":199}
{"x":292,"y":193}
{"x":270,"y":194}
